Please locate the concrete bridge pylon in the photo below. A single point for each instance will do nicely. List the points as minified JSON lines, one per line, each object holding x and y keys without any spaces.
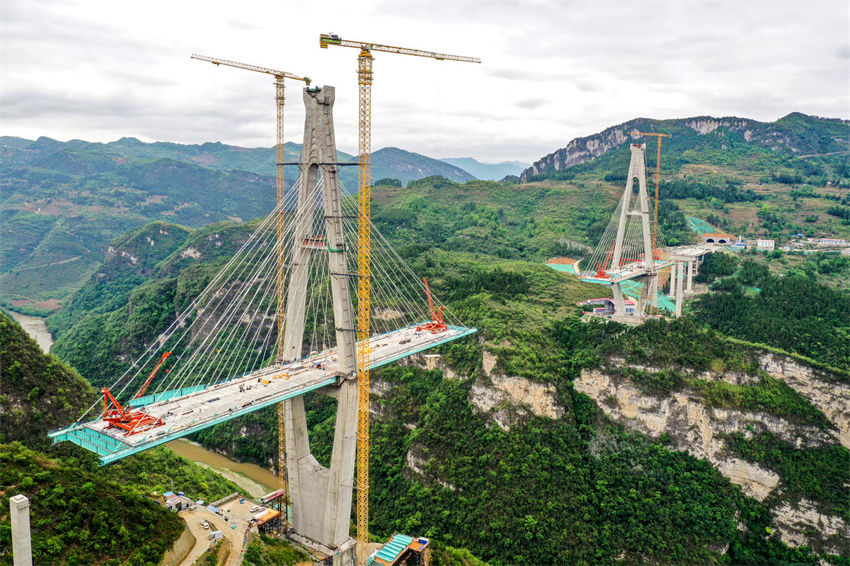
{"x":321,"y":496}
{"x":635,"y":208}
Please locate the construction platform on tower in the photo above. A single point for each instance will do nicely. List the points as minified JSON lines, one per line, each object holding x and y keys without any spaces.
{"x":192,"y":409}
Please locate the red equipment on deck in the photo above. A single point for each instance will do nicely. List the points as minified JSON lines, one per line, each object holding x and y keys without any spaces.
{"x":438,"y":323}
{"x":122,"y":417}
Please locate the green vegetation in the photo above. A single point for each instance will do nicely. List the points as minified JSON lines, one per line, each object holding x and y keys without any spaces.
{"x":65,"y":201}
{"x":267,"y":551}
{"x":159,"y":470}
{"x":37,"y":392}
{"x":443,"y":555}
{"x":793,"y":313}
{"x":562,"y":491}
{"x":576,"y":489}
{"x":505,"y":495}
{"x":716,"y":265}
{"x":79,"y":517}
{"x":82,"y":514}
{"x":819,"y":474}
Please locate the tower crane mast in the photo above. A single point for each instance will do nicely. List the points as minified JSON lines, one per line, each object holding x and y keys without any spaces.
{"x":657,"y":188}
{"x":279,"y":77}
{"x":364,"y":253}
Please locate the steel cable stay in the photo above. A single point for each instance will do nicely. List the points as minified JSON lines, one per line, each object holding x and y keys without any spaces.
{"x":204,"y":352}
{"x":229,"y":330}
{"x":152,"y":348}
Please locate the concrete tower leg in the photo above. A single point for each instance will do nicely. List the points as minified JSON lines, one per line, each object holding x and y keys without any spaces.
{"x":19,"y":507}
{"x":653,"y":290}
{"x":619,"y":301}
{"x":643,"y":298}
{"x":680,"y":291}
{"x":691,"y":265}
{"x":321,"y":497}
{"x":672,"y":285}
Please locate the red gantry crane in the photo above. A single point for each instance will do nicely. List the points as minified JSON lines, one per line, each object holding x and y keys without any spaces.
{"x":125,"y":418}
{"x":438,"y":322}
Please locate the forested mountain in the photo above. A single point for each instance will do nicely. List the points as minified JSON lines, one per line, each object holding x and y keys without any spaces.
{"x":38,"y":393}
{"x":544,"y":439}
{"x":795,"y":134}
{"x":75,"y":503}
{"x":718,"y":439}
{"x":486,"y":171}
{"x":62,"y":202}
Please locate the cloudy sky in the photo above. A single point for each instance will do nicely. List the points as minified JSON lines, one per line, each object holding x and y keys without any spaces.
{"x":551,"y":71}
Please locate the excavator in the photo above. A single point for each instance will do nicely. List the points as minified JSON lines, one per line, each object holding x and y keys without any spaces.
{"x":125,"y":418}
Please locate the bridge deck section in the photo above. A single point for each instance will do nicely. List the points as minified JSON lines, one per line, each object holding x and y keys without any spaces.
{"x":192,"y":409}
{"x":624,"y":273}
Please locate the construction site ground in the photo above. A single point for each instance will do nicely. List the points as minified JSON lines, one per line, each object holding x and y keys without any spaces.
{"x":235,"y":536}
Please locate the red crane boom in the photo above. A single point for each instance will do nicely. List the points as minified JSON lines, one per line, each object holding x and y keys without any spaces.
{"x":438,"y":323}
{"x":151,"y":376}
{"x":125,"y":418}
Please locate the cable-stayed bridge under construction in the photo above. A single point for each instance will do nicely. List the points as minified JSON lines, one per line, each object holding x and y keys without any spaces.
{"x":223,"y":357}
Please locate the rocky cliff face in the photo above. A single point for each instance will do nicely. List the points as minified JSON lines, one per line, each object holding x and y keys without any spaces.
{"x":691,"y":424}
{"x":580,"y":150}
{"x":785,"y":134}
{"x":818,"y":386}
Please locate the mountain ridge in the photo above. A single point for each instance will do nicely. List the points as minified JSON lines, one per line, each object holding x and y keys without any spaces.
{"x":486,"y":171}
{"x":257,"y":160}
{"x":795,"y":133}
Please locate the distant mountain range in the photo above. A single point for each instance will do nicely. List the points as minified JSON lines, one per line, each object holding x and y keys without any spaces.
{"x":62,"y":202}
{"x":486,"y":171}
{"x":795,"y":133}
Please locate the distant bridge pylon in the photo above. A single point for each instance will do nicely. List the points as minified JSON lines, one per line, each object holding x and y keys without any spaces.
{"x":626,"y":251}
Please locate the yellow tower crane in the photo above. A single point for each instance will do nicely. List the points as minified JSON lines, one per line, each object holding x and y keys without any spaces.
{"x":364,"y":196}
{"x":279,"y":97}
{"x":657,"y":187}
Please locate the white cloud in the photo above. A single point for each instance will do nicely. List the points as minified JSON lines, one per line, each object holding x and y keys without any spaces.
{"x":551,"y":70}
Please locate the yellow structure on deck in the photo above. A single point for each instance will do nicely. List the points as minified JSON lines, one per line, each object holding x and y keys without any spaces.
{"x":364,"y":256}
{"x":279,"y":97}
{"x":657,"y":187}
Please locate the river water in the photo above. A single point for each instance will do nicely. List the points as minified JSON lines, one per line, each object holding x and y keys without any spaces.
{"x":36,"y":328}
{"x":254,"y":479}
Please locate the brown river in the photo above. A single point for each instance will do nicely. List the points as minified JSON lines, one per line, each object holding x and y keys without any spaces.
{"x":35,"y":327}
{"x":252,"y":478}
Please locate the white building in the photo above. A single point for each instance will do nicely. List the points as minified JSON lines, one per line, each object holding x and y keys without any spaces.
{"x":832,"y":242}
{"x":768,"y":245}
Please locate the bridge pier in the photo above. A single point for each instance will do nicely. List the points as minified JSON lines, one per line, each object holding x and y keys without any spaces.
{"x":680,"y":291}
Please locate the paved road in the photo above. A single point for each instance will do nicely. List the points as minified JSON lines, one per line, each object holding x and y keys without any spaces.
{"x":235,"y":536}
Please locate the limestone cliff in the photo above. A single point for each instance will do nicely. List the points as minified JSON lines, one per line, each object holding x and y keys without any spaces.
{"x":686,"y":419}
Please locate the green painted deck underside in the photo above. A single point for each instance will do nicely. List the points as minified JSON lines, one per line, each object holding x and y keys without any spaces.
{"x":110,"y":449}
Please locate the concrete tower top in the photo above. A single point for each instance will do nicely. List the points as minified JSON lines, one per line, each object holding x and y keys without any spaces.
{"x":20,"y":502}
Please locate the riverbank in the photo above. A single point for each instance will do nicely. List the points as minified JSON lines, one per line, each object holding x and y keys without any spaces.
{"x":254,"y":479}
{"x":36,"y":328}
